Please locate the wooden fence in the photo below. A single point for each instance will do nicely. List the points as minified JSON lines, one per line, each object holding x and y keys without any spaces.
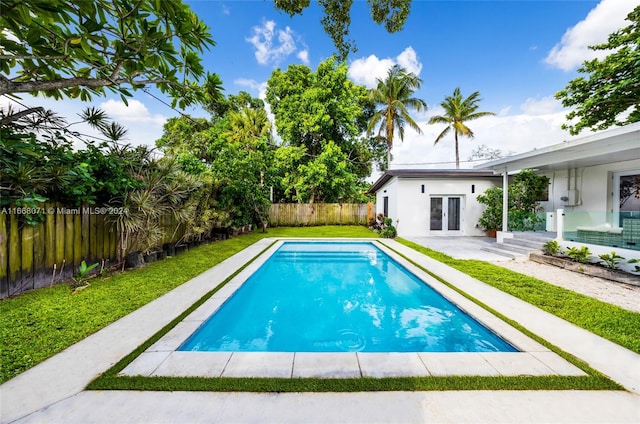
{"x":51,"y":251}
{"x":41,"y":255}
{"x":296,"y":214}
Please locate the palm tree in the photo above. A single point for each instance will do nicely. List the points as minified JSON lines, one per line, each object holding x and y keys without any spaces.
{"x":457,"y":111}
{"x":394,"y":94}
{"x":249,"y":125}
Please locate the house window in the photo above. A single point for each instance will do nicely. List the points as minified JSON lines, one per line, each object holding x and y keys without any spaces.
{"x":627,"y":194}
{"x":385,"y":205}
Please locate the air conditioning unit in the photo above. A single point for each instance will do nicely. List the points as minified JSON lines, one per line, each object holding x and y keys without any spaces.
{"x":571,"y":198}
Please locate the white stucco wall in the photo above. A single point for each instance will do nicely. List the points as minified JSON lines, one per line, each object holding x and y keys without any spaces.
{"x":409,"y":208}
{"x":390,"y":189}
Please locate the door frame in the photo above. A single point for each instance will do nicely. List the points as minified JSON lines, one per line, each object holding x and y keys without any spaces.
{"x":445,"y":213}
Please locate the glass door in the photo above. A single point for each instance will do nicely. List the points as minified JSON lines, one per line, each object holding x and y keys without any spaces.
{"x":445,"y":213}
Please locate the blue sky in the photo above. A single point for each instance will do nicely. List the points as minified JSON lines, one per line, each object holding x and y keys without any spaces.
{"x":518,"y":54}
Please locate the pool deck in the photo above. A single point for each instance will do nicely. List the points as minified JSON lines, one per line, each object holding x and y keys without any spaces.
{"x":53,"y":391}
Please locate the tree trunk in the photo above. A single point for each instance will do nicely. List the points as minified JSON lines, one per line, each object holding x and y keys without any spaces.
{"x":457,"y":154}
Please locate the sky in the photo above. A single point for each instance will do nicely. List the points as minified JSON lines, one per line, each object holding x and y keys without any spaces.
{"x":517,"y":54}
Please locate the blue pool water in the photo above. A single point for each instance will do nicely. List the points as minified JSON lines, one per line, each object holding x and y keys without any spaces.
{"x":336,"y":297}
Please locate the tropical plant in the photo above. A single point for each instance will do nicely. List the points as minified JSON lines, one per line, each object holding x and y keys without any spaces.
{"x":457,"y":112}
{"x":610,"y":260}
{"x":165,"y":191}
{"x":552,"y":248}
{"x":491,"y":218}
{"x":394,"y":93}
{"x":525,"y":192}
{"x":579,"y":254}
{"x":249,"y":125}
{"x":81,"y":279}
{"x":609,"y":93}
{"x":69,"y":49}
{"x":38,"y":161}
{"x":384,"y":226}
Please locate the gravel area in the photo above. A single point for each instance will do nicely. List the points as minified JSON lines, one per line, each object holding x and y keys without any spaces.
{"x":624,"y":295}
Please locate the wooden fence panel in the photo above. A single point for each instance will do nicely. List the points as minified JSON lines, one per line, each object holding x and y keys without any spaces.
{"x":296,"y":214}
{"x":26,"y":251}
{"x":77,"y":240}
{"x":67,"y":236}
{"x":50,"y":241}
{"x":4,"y":257}
{"x":68,"y":241}
{"x":15,"y":256}
{"x":59,"y":239}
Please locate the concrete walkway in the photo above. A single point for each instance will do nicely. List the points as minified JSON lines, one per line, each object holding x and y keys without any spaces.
{"x":52,"y":392}
{"x":461,"y":247}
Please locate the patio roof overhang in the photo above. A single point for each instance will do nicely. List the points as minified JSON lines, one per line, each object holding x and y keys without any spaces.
{"x":612,"y":146}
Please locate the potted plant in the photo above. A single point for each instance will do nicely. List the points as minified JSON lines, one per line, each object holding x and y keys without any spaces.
{"x":491,"y":218}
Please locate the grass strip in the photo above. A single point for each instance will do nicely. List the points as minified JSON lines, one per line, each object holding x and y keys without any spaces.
{"x":612,"y":322}
{"x":365,"y":384}
{"x":36,"y":325}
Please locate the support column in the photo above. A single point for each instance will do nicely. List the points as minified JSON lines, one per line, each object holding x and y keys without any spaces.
{"x":560,"y":224}
{"x":505,"y":200}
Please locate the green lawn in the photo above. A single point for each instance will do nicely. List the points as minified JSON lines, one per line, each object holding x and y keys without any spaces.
{"x":41,"y":323}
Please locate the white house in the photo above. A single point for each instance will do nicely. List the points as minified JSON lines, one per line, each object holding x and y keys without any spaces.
{"x":433,"y":202}
{"x":594,"y":189}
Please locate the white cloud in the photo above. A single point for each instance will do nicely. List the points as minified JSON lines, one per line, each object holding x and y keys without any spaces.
{"x":543,"y":106}
{"x":408,"y":59}
{"x":367,"y":70}
{"x":303,"y":55}
{"x":260,"y":87}
{"x":607,"y":17}
{"x":135,"y":112}
{"x":271,"y":45}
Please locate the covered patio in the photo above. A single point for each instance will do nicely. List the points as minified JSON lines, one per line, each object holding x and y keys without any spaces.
{"x":594,"y":189}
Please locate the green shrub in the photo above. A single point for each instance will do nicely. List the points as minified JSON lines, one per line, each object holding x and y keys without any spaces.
{"x":552,"y":248}
{"x":384,"y":227}
{"x":610,"y":260}
{"x":579,"y":255}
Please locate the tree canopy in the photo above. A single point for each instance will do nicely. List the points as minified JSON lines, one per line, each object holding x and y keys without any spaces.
{"x":70,"y":49}
{"x":337,"y":18}
{"x":610,"y":93}
{"x":320,"y":116}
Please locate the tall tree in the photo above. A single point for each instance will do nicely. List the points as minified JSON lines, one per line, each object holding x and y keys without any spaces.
{"x":612,"y":85}
{"x":457,"y":111}
{"x":76,"y":49}
{"x":337,"y":18}
{"x":394,"y":94}
{"x":325,"y":113}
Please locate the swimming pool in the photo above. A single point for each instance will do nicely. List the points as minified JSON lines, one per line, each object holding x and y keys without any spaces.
{"x":339,"y":297}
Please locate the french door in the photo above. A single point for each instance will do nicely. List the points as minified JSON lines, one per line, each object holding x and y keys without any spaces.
{"x":445,"y":213}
